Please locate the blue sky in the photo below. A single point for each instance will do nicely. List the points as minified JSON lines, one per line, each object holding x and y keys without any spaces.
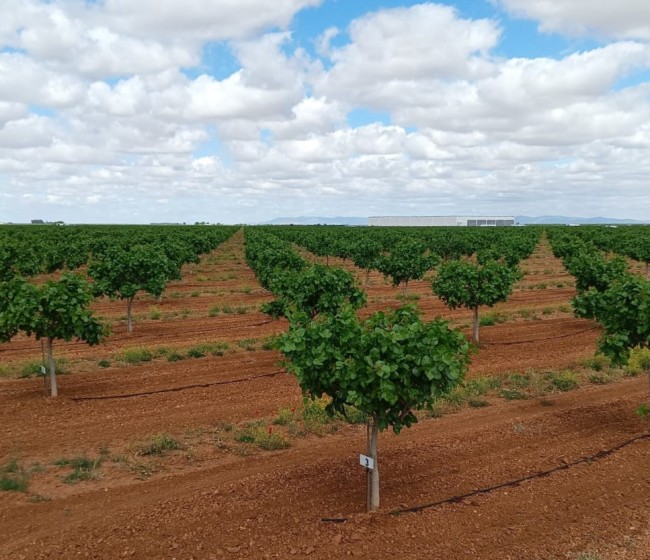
{"x":244,"y":112}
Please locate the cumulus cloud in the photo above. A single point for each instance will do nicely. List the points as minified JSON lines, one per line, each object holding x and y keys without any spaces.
{"x":99,"y":111}
{"x":627,"y":20}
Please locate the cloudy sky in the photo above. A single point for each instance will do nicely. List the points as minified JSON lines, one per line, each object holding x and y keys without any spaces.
{"x":233,"y":111}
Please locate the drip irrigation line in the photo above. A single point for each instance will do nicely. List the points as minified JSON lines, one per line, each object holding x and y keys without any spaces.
{"x":541,"y":474}
{"x":511,"y":483}
{"x":532,"y":340}
{"x":178,"y":389}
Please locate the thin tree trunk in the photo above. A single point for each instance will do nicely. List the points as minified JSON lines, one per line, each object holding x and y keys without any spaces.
{"x":405,"y":288}
{"x":373,"y":486}
{"x":129,"y":323}
{"x":50,"y":360}
{"x":475,"y":333}
{"x":367,"y":276}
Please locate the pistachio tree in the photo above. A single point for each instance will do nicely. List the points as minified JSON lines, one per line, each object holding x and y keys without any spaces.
{"x":121,"y":272}
{"x":462,"y":283}
{"x":55,"y":310}
{"x":387,"y":366}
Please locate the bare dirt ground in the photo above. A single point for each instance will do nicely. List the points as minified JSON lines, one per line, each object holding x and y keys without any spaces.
{"x":214,"y":499}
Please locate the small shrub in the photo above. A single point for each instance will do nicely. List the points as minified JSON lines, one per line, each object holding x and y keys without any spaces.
{"x":564,"y":381}
{"x":159,"y":445}
{"x":196,"y":352}
{"x":226,"y":309}
{"x":518,"y":381}
{"x":247,"y":289}
{"x":477,"y":387}
{"x":639,"y":361}
{"x":30,"y":369}
{"x":241,"y":310}
{"x":548,"y":311}
{"x":247,"y":344}
{"x":213,"y":311}
{"x":174,"y":356}
{"x":83,"y":468}
{"x":477,"y":403}
{"x":154,"y":313}
{"x":284,"y":417}
{"x":135,"y":356}
{"x":512,"y":394}
{"x":262,"y":436}
{"x":643,"y":411}
{"x":600,"y":378}
{"x":597,"y":363}
{"x":195,"y":293}
{"x":13,"y":478}
{"x":104,"y":363}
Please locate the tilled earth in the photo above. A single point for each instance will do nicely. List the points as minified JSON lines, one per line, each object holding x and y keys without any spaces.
{"x":584,"y":452}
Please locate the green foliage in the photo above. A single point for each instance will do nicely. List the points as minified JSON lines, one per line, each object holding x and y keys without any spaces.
{"x":592,"y":270}
{"x":461,"y":283}
{"x":262,"y":436}
{"x":623,"y":311}
{"x":83,"y":468}
{"x":385,"y":366}
{"x":135,"y":356}
{"x":408,"y":260}
{"x":313,"y":290}
{"x":158,"y":445}
{"x":122,"y":272}
{"x":13,"y":478}
{"x":564,"y":381}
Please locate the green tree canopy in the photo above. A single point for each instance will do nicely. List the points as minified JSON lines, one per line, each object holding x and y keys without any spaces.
{"x":56,"y":310}
{"x":461,"y":283}
{"x":408,"y":260}
{"x":121,"y":273}
{"x":313,"y":290}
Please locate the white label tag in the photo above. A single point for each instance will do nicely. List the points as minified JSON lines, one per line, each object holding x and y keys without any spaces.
{"x":367,"y":462}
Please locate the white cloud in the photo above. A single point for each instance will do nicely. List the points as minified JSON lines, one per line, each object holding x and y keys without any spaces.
{"x":623,"y":20}
{"x":405,"y":46}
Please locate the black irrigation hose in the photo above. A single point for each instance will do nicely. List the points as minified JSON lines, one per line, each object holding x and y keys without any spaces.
{"x":532,"y":340}
{"x":178,"y":389}
{"x":541,"y":474}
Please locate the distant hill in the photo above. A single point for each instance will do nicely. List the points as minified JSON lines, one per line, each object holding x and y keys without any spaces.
{"x":531,"y":220}
{"x":311,"y":221}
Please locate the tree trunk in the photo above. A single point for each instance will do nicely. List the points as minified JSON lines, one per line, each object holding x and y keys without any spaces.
{"x":373,"y":475}
{"x":405,"y":288}
{"x":50,"y":361}
{"x":129,"y":323}
{"x":475,"y":330}
{"x":367,"y":276}
{"x":327,"y":260}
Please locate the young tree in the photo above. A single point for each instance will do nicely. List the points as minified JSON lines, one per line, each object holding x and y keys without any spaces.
{"x":623,"y":311}
{"x":121,"y":273}
{"x":365,"y":255}
{"x":461,"y":283}
{"x":386,"y":366}
{"x":407,"y":261}
{"x":53,"y":311}
{"x":313,"y":290}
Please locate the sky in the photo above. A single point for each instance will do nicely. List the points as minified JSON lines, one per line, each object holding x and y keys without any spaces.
{"x":242,"y":111}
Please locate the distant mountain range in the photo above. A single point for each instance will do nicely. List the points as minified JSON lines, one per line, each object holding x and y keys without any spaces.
{"x":524,"y":220}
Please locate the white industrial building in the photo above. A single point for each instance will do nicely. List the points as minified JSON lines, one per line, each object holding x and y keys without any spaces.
{"x":471,"y":221}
